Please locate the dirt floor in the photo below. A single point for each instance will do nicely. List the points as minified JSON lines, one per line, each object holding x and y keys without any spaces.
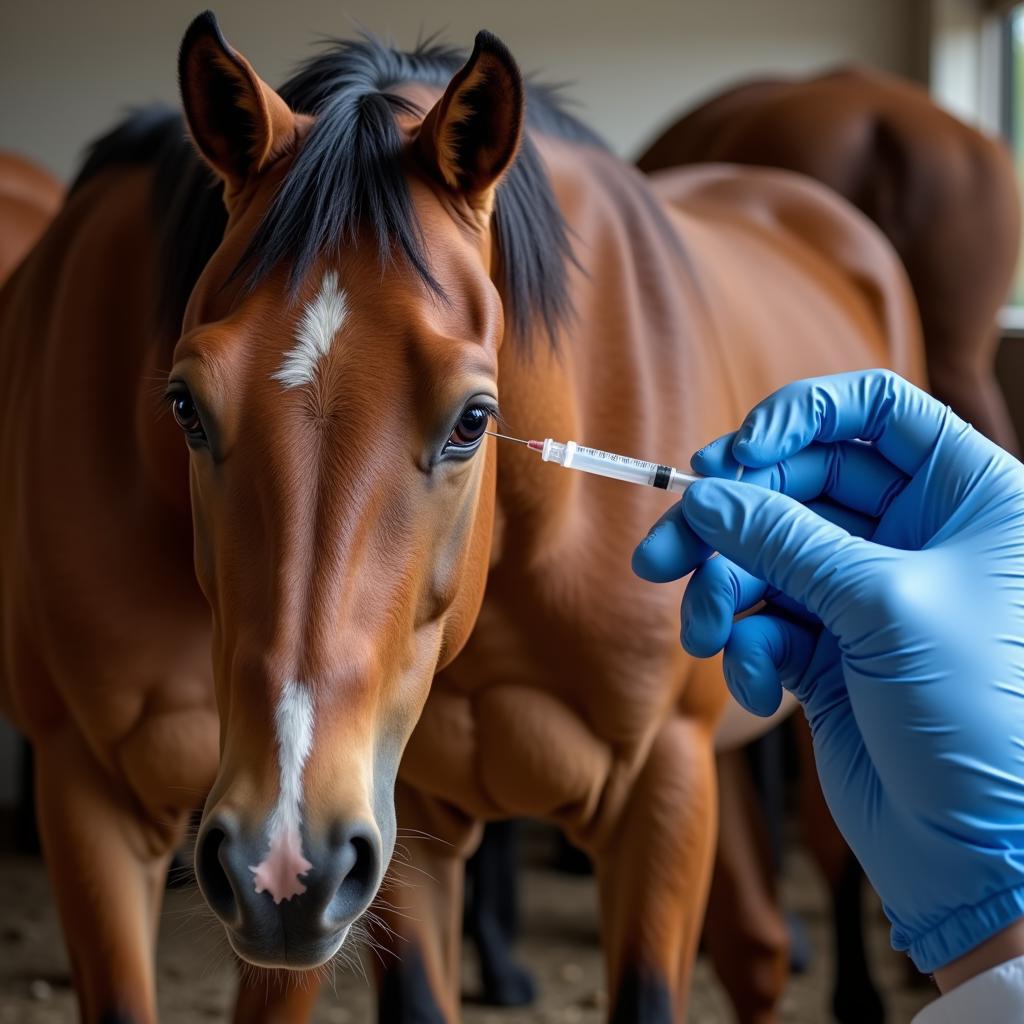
{"x":196,"y":972}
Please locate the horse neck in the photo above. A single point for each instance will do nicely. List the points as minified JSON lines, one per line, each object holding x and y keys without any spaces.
{"x":633,"y":359}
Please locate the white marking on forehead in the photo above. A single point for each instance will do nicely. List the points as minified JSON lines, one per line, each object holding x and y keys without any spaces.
{"x":321,"y":321}
{"x":279,"y":871}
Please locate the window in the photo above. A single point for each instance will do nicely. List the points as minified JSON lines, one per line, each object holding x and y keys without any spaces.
{"x":976,"y":71}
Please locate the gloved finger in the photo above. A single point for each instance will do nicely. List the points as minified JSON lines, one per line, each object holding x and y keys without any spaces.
{"x":716,"y":592}
{"x":716,"y":459}
{"x":878,"y":406}
{"x":720,"y":589}
{"x":851,"y":473}
{"x":854,"y":523}
{"x":670,"y":550}
{"x":776,"y":539}
{"x":769,"y":654}
{"x":764,"y":653}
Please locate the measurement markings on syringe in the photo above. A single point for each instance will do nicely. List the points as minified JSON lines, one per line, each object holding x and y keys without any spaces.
{"x":626,"y":460}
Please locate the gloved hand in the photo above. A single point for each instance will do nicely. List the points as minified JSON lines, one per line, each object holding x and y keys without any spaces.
{"x":894,"y":585}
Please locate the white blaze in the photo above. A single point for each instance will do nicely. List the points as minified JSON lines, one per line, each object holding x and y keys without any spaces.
{"x":279,"y":872}
{"x":321,"y":320}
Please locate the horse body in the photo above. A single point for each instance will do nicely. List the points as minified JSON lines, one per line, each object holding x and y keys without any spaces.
{"x":681,"y":325}
{"x":326,"y":555}
{"x":107,"y":519}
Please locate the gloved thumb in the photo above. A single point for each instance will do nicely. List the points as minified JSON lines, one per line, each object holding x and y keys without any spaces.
{"x":774,"y":538}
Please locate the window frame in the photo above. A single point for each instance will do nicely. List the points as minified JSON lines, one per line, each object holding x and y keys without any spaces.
{"x":969,"y":62}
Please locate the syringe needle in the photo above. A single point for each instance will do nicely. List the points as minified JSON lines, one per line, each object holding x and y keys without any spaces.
{"x":505,"y":437}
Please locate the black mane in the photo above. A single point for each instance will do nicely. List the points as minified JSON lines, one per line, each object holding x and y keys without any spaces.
{"x":348,"y":176}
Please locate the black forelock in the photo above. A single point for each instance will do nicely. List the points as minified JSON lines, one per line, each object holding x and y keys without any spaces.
{"x":348,"y":177}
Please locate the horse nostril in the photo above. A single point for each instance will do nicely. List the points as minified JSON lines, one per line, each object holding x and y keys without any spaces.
{"x":357,"y":862}
{"x":363,"y":872}
{"x":213,"y":879}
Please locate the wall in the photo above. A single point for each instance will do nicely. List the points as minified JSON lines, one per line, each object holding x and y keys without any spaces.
{"x":68,"y":69}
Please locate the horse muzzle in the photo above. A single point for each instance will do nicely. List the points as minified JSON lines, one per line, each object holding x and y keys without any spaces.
{"x":287,"y":898}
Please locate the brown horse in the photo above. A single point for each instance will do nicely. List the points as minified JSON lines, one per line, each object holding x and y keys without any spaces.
{"x":29,"y":198}
{"x":943,"y":193}
{"x":400,"y":612}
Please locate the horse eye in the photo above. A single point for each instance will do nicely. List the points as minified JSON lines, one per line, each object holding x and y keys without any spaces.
{"x":187,"y":416}
{"x":470,"y":428}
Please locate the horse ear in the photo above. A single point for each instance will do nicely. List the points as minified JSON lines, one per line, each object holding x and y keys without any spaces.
{"x":237,"y":121}
{"x":472,"y":134}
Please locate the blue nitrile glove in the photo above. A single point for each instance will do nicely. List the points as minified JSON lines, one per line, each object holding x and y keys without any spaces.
{"x":905,"y":650}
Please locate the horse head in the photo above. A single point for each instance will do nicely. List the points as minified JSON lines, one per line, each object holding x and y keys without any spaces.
{"x":335,"y":374}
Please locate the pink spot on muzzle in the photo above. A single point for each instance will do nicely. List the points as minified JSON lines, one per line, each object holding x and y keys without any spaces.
{"x":279,"y":872}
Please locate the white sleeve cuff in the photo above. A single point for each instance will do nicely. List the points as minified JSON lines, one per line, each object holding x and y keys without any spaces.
{"x":997,"y":995}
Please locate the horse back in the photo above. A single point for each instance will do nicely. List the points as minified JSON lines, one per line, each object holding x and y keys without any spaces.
{"x":878,"y":140}
{"x":799,"y":282}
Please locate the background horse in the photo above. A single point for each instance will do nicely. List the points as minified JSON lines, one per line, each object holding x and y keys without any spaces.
{"x":400,"y":614}
{"x":946,"y":196}
{"x":943,"y":193}
{"x":29,"y":197}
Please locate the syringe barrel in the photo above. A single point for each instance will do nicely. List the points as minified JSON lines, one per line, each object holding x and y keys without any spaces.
{"x":618,"y":467}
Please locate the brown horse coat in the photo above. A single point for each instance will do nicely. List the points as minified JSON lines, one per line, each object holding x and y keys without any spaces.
{"x":29,"y":197}
{"x":943,"y":193}
{"x":341,"y":573}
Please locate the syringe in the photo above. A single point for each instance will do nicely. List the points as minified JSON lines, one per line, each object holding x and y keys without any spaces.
{"x":571,"y":455}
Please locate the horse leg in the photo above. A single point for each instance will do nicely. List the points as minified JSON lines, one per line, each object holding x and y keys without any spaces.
{"x":416,"y":922}
{"x":855,"y":998}
{"x":744,"y":930}
{"x":276,"y":997}
{"x":492,"y":916}
{"x":653,"y":864}
{"x":107,"y":861}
